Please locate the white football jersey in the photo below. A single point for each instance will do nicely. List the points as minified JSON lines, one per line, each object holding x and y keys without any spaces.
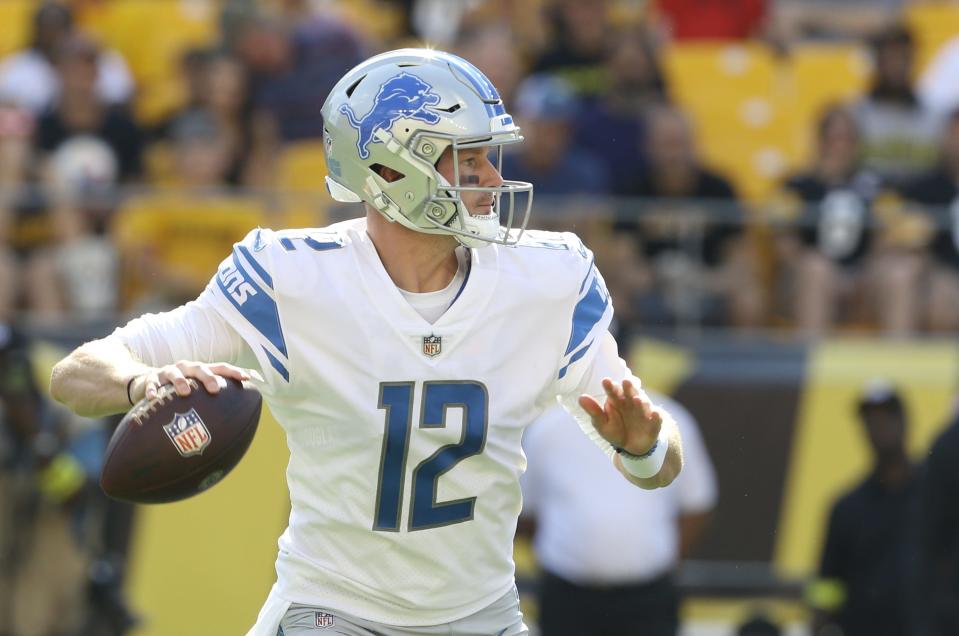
{"x":405,"y":436}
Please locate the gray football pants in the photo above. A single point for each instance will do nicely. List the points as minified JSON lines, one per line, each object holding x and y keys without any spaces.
{"x":502,"y":618}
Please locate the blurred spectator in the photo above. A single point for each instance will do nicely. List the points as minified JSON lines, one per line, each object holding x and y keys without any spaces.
{"x":861,"y":583}
{"x":759,"y":626}
{"x":80,"y":111}
{"x":172,"y":240}
{"x":194,"y":71}
{"x":29,"y":78}
{"x":611,"y":124}
{"x":682,"y":255}
{"x":832,"y":267}
{"x":16,"y":132}
{"x":900,"y":137}
{"x":293,"y":68}
{"x":222,"y":97}
{"x":492,"y":49}
{"x":935,"y":582}
{"x":75,"y":277}
{"x":49,"y":460}
{"x":710,"y":19}
{"x":577,"y":48}
{"x":939,"y":190}
{"x":547,"y":111}
{"x":597,"y":578}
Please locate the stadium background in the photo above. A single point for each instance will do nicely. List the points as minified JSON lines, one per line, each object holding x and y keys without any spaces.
{"x":783,"y":453}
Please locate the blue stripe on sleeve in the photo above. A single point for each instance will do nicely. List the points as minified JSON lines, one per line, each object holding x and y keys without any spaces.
{"x":586,"y":278}
{"x":277,"y":364}
{"x":256,"y":266}
{"x":321,"y":246}
{"x":589,"y":310}
{"x":255,"y":305}
{"x":576,"y":356}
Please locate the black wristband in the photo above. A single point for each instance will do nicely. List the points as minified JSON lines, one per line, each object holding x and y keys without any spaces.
{"x":130,"y":386}
{"x":647,"y":454}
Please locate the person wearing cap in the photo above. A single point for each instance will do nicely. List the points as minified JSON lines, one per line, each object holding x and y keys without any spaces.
{"x":900,"y":136}
{"x":860,"y":589}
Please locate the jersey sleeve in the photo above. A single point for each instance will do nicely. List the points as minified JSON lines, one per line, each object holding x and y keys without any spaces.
{"x":589,"y":322}
{"x":242,"y":292}
{"x":194,"y":331}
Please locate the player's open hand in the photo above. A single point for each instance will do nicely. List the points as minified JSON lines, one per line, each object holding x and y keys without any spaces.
{"x":177,"y":375}
{"x":625,"y":421}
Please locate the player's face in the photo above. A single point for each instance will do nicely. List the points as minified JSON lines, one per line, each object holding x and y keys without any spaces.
{"x":475,"y":169}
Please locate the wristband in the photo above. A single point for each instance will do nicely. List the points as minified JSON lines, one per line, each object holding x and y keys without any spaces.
{"x":130,"y":386}
{"x":646,"y":465}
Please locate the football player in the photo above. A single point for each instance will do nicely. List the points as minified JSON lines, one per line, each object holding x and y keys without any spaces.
{"x":403,"y":353}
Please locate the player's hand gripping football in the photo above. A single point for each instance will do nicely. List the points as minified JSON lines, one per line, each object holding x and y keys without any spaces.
{"x":177,"y":374}
{"x":625,"y":421}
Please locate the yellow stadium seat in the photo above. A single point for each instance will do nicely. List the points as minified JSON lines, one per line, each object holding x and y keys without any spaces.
{"x":932,"y":25}
{"x":716,"y":73}
{"x":152,"y":35}
{"x":16,"y":18}
{"x":302,"y":166}
{"x":172,"y":241}
{"x":740,"y":103}
{"x":824,"y":74}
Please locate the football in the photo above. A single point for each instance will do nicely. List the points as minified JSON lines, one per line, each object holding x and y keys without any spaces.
{"x":173,"y":447}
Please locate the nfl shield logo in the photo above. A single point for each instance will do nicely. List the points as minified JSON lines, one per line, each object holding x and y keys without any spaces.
{"x":324,"y":620}
{"x":432,"y":345}
{"x":188,"y":433}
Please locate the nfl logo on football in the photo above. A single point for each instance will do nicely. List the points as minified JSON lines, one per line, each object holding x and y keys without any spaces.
{"x":188,"y":433}
{"x":324,"y":620}
{"x":432,"y":345}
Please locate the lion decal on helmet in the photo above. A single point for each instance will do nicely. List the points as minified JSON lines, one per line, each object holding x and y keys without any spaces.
{"x":402,"y":97}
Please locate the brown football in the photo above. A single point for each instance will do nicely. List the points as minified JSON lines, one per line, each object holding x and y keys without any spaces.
{"x":172,"y":447}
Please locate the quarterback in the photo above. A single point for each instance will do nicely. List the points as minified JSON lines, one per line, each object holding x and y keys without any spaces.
{"x":403,"y":353}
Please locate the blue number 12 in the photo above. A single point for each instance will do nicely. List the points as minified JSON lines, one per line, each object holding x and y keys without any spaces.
{"x":425,"y":512}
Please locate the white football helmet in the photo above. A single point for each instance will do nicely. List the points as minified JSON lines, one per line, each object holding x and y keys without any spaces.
{"x":402,"y":109}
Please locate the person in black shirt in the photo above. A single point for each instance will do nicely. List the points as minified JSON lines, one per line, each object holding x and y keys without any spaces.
{"x":687,"y":232}
{"x":935,"y":602}
{"x":830,"y":255}
{"x":79,"y":111}
{"x":938,"y":191}
{"x":864,"y":561}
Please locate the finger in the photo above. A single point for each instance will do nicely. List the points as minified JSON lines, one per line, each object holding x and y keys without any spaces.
{"x":229,"y":371}
{"x":174,"y":376}
{"x":592,"y":407}
{"x":614,"y":390}
{"x":151,"y":385}
{"x":205,"y":375}
{"x":629,"y":389}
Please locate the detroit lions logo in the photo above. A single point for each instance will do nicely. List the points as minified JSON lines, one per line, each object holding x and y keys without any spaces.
{"x":402,"y":97}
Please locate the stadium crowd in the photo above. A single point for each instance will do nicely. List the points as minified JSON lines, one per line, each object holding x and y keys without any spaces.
{"x":130,"y":163}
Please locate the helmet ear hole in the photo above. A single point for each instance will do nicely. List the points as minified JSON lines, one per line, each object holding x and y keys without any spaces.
{"x":390,"y":175}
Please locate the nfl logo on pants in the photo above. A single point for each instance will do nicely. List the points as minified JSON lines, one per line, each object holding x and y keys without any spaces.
{"x":324,"y":620}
